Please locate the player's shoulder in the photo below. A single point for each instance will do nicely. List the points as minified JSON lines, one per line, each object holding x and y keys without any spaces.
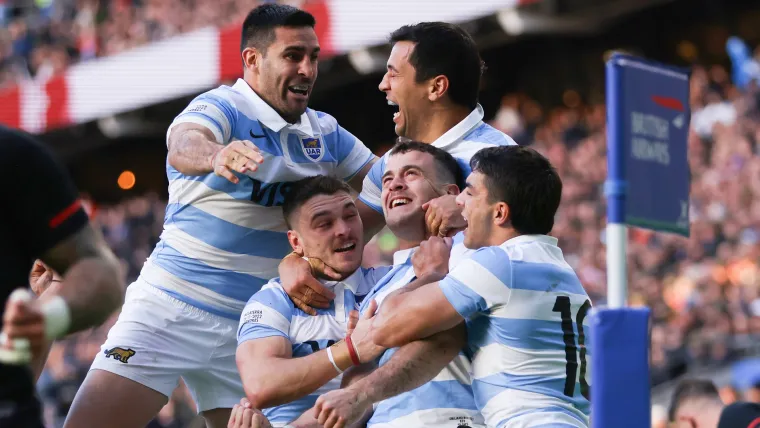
{"x":488,"y":136}
{"x":493,"y":260}
{"x":272,"y":294}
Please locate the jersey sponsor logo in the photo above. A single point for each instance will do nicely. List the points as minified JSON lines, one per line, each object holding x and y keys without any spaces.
{"x":269,"y":194}
{"x":120,"y":354}
{"x":312,"y":148}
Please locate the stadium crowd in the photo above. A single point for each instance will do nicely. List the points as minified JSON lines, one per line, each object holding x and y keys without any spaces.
{"x":42,"y":38}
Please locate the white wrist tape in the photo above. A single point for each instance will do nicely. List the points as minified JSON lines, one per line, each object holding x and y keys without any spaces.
{"x":57,"y":317}
{"x":332,"y":360}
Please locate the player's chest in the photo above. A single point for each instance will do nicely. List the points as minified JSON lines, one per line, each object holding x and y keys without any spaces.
{"x":290,"y":155}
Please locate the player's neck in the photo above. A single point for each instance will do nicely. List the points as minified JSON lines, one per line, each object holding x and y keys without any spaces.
{"x":502,"y":235}
{"x":439,"y":121}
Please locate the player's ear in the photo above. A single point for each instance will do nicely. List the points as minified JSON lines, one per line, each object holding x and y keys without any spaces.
{"x":451,"y":189}
{"x":438,"y":87}
{"x":295,"y":241}
{"x":500,"y":213}
{"x":250,"y":58}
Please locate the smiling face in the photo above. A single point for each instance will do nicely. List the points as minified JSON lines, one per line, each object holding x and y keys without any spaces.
{"x":404,"y":92}
{"x":329,"y":228}
{"x":409,"y":182}
{"x":284,"y":74}
{"x":477,"y":211}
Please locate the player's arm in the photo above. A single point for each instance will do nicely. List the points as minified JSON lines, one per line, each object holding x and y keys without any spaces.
{"x":418,"y":310}
{"x":271,"y":376}
{"x":198,"y":140}
{"x":57,"y":231}
{"x":410,"y":367}
{"x":369,"y":203}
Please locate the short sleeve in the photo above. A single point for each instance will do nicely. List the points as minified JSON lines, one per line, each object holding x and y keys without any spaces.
{"x":267,"y":313}
{"x":372,"y":186}
{"x":479,"y":283}
{"x":39,"y":196}
{"x":212,"y":110}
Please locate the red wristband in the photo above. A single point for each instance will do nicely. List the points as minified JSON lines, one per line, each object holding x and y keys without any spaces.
{"x":352,"y":351}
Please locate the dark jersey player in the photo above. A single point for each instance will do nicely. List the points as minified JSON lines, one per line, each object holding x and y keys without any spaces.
{"x":42,"y":218}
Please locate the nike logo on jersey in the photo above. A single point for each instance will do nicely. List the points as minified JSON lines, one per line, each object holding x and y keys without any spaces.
{"x":256,"y":136}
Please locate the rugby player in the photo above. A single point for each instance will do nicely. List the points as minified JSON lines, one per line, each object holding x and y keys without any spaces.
{"x":416,"y":174}
{"x":524,"y":305}
{"x":283,"y":354}
{"x":233,"y":153}
{"x":55,"y":229}
{"x":433,"y":78}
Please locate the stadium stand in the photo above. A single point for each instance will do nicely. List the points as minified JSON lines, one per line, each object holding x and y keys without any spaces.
{"x":704,"y":291}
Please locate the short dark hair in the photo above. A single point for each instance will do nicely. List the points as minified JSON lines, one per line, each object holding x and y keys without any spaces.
{"x":306,"y":188}
{"x":259,"y":25}
{"x":447,"y":168}
{"x":526,"y":181}
{"x":445,"y":49}
{"x":691,"y":389}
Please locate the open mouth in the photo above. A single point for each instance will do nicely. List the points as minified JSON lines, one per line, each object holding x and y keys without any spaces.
{"x":346,"y":247}
{"x":302,"y":90}
{"x":396,"y":107}
{"x":399,"y":201}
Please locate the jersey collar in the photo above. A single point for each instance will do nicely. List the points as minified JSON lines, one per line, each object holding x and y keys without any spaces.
{"x":455,"y":134}
{"x":403,"y":256}
{"x":352,"y":282}
{"x":268,"y":116}
{"x":546,"y":239}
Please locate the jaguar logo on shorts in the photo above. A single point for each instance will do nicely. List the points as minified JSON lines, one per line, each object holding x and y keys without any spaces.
{"x":120,"y":354}
{"x":312,"y":148}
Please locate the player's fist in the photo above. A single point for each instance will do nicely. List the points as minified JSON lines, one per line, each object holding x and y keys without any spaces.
{"x":432,"y":258}
{"x":243,"y":416}
{"x":341,"y":407}
{"x":238,"y":156}
{"x":41,"y":277}
{"x":443,"y":217}
{"x":23,"y":322}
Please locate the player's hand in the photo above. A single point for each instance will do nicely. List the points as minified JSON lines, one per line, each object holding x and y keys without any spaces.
{"x":443,"y":217}
{"x":432,"y":258}
{"x":353,"y":319}
{"x":41,"y":277}
{"x":24,"y":320}
{"x":341,"y":407}
{"x":362,"y":336}
{"x":244,"y":416}
{"x":298,"y":278}
{"x":238,"y":156}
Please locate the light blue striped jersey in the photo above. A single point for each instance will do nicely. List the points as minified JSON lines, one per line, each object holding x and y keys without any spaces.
{"x":447,"y":401}
{"x":526,"y":312}
{"x":270,"y":312}
{"x":222,"y":241}
{"x":462,"y":141}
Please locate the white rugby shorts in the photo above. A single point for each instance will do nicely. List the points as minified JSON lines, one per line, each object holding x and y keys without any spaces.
{"x":158,"y":339}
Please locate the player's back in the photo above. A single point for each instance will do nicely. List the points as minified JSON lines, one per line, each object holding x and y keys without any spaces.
{"x":223,"y":241}
{"x":530,"y":364}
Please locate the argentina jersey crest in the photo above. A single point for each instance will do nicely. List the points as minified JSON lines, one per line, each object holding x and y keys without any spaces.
{"x":312,"y":148}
